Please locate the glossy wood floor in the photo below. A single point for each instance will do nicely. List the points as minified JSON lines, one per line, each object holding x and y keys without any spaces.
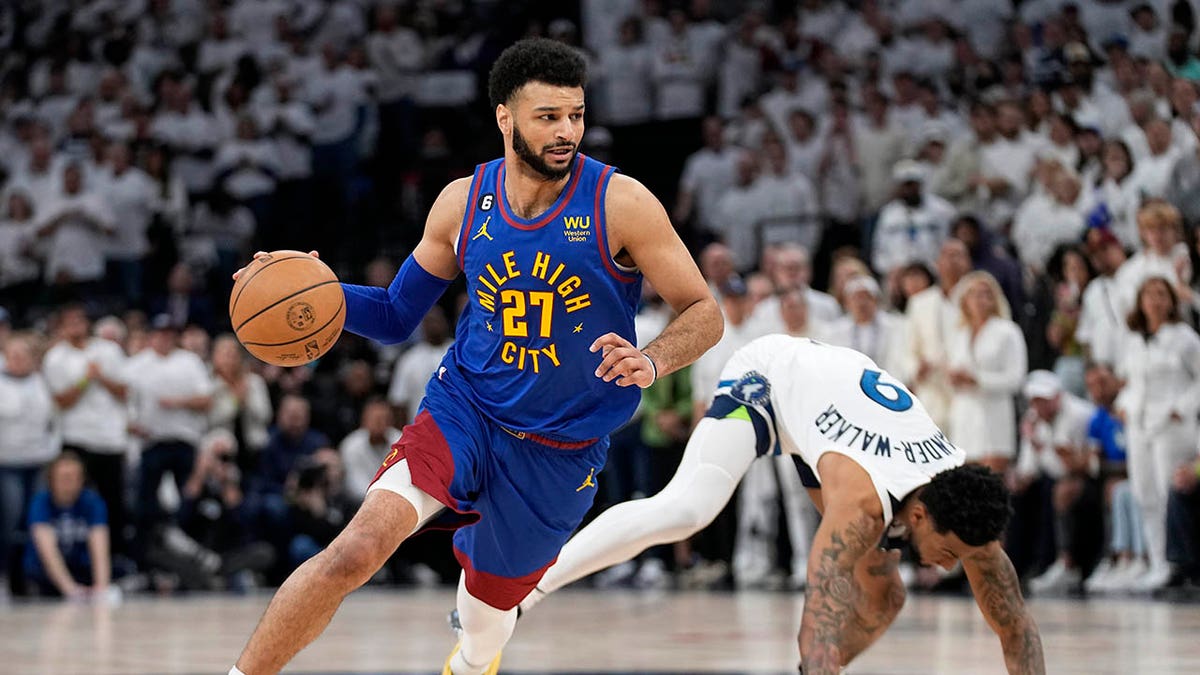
{"x":589,"y":631}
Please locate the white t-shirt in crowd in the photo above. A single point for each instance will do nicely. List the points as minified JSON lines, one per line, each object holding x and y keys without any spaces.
{"x":904,"y":235}
{"x":362,"y":458}
{"x":27,"y":435}
{"x":75,"y":248}
{"x":132,"y":198}
{"x":1069,"y":429}
{"x":17,"y":265}
{"x":708,"y":174}
{"x":413,"y":370}
{"x":626,"y":74}
{"x":179,"y":374}
{"x":98,"y":420}
{"x":335,"y":96}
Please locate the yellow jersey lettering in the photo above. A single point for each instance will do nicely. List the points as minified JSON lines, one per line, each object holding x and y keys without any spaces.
{"x":541,"y":264}
{"x":578,"y":222}
{"x":557,"y":271}
{"x":510,"y":265}
{"x":577,"y":302}
{"x":551,"y":353}
{"x":486,"y":300}
{"x":485,"y":283}
{"x":521,"y":358}
{"x":533,"y":356}
{"x":495,"y":277}
{"x":567,"y":287}
{"x":507,"y":351}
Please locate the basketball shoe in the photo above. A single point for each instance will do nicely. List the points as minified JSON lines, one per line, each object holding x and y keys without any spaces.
{"x":492,"y":669}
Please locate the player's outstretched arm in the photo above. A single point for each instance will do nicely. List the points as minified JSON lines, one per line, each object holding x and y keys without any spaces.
{"x":998,"y":593}
{"x":638,"y":224}
{"x":389,"y":315}
{"x":851,"y":525}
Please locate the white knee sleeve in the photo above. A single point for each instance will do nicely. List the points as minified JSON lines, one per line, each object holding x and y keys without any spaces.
{"x":398,"y":479}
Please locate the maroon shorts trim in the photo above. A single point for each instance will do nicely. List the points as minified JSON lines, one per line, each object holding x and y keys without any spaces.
{"x":431,"y":465}
{"x":503,"y":593}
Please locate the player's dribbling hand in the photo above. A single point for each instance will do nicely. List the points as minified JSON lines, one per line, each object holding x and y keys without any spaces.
{"x":261,"y":254}
{"x":622,"y":362}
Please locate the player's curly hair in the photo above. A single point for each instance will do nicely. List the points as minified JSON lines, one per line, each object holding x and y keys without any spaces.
{"x":535,"y":59}
{"x":970,"y":501}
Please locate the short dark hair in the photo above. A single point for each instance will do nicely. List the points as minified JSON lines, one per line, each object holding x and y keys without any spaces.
{"x":535,"y":60}
{"x":970,"y":501}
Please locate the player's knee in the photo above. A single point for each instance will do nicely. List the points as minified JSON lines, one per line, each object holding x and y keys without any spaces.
{"x":350,"y":561}
{"x":695,"y":517}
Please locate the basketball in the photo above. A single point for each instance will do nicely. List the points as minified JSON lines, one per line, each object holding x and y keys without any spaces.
{"x":287,"y":308}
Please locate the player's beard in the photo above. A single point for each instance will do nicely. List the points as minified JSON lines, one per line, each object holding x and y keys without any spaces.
{"x":535,"y":161}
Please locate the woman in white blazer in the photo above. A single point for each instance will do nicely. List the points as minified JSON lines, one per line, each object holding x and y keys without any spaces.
{"x":1160,"y":363}
{"x":987,"y":365}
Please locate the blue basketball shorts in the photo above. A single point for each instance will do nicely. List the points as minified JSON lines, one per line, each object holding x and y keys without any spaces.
{"x":513,"y":498}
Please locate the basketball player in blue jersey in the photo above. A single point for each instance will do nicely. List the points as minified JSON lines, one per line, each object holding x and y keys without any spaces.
{"x":513,"y":427}
{"x":874,"y":463}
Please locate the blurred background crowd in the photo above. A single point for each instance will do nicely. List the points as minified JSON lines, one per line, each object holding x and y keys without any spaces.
{"x":995,"y":200}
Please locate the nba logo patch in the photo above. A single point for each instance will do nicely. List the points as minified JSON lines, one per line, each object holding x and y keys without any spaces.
{"x":751,"y":389}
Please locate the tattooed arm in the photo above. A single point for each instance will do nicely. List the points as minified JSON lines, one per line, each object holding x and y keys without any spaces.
{"x":998,"y":593}
{"x":851,"y":526}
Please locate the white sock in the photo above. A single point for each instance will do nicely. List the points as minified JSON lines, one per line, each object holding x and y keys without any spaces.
{"x":234,"y":671}
{"x":485,"y":632}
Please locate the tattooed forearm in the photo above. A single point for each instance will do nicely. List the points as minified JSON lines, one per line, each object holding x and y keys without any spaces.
{"x":998,"y":593}
{"x":832,"y":617}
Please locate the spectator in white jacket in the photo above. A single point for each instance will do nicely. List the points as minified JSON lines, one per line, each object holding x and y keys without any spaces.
{"x":911,"y":227}
{"x":241,"y":403}
{"x":865,"y":328}
{"x":1046,"y":220}
{"x":75,"y":226}
{"x":931,"y":319}
{"x":26,"y":438}
{"x":1163,"y":253}
{"x":1102,"y":325}
{"x":987,"y":365}
{"x":1161,"y":368}
{"x":365,"y":448}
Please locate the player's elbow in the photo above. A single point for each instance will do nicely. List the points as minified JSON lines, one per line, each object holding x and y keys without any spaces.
{"x":713,"y":320}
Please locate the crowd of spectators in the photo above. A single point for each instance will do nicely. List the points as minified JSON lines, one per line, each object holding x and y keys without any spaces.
{"x":995,"y":200}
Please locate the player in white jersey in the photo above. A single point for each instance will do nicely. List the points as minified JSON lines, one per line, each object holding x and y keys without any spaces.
{"x":873,"y":462}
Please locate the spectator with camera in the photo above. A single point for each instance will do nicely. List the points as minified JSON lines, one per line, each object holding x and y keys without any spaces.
{"x":317,"y":509}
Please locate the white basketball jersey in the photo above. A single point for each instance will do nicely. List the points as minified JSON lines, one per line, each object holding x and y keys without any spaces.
{"x":817,"y":398}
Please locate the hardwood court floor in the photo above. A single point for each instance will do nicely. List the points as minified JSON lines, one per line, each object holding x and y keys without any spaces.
{"x":382,"y":632}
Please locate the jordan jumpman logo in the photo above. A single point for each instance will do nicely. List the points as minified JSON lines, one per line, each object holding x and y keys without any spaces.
{"x":483,"y":231}
{"x":587,"y":482}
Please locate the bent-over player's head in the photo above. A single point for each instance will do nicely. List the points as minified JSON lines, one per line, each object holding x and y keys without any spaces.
{"x":959,"y":510}
{"x":536,"y":88}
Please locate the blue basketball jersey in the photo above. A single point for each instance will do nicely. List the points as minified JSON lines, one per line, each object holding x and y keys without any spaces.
{"x":540,"y":292}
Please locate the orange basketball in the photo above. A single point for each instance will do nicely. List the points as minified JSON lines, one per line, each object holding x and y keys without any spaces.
{"x":287,"y":308}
